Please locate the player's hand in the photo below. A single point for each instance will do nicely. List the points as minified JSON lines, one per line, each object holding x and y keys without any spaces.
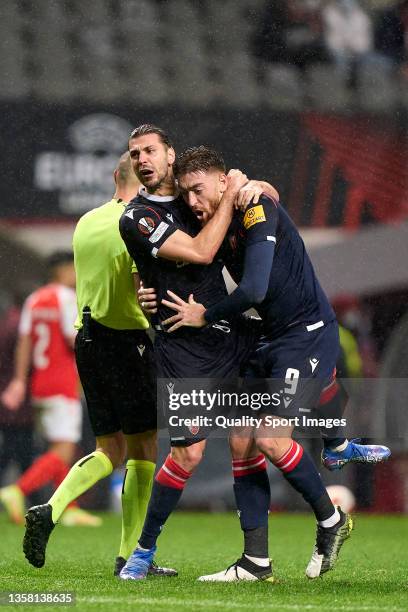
{"x":269,"y":190}
{"x":252,"y":191}
{"x":189,"y":313}
{"x":236,"y":180}
{"x":147,"y":299}
{"x":13,"y":395}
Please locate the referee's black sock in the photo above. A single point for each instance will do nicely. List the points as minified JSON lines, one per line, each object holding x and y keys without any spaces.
{"x":167,"y":489}
{"x":252,"y":495}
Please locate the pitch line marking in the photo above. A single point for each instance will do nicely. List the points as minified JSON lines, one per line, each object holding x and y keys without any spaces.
{"x":208,"y":603}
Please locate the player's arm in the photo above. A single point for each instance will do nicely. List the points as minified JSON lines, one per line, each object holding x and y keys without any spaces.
{"x":13,"y":395}
{"x":146,"y":229}
{"x":68,"y":314}
{"x":260,"y":224}
{"x":202,"y":248}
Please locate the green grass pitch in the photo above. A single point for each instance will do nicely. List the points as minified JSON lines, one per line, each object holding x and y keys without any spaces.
{"x":371,"y":575}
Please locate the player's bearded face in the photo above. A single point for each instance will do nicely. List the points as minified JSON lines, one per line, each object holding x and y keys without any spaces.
{"x":151,"y":160}
{"x":202,"y":191}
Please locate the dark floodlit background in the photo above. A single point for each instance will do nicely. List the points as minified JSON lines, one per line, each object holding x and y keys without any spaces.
{"x":311,"y":95}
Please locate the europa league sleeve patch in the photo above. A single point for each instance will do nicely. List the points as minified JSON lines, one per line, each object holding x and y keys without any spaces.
{"x":146,"y":225}
{"x":254,"y":215}
{"x":159,"y":232}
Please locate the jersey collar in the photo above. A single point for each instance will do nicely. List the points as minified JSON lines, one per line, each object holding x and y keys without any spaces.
{"x":145,"y":194}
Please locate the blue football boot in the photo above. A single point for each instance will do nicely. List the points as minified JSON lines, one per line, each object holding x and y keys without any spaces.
{"x":137,"y":566}
{"x":354,"y":453}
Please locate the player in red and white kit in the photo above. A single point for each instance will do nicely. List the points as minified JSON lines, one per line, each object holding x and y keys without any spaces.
{"x":45,"y":349}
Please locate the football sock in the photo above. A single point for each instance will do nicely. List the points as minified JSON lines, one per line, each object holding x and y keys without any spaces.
{"x":252,"y":496}
{"x":341,"y":445}
{"x":262,"y":562}
{"x":81,"y":477}
{"x":60,"y":474}
{"x":300,"y":471}
{"x":332,"y":520}
{"x":336,"y":444}
{"x":59,"y":477}
{"x":136,"y":490}
{"x":167,"y":489}
{"x":332,"y":404}
{"x":43,"y":470}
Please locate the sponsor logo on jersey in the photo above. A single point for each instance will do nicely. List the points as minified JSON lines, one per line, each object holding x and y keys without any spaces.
{"x":162,"y":227}
{"x":146,"y":225}
{"x":141,"y":349}
{"x":313,"y":363}
{"x":287,"y":401}
{"x":169,"y":216}
{"x":170,"y":387}
{"x":254,"y":215}
{"x":48,"y":314}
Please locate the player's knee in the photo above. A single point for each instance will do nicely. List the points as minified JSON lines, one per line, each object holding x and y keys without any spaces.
{"x":242,"y":447}
{"x":188,"y":457}
{"x":274,"y":448}
{"x":114,"y":448}
{"x":115,"y":456}
{"x":143,"y":446}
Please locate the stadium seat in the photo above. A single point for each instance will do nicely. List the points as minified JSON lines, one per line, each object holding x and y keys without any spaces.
{"x":378,"y":89}
{"x":283,"y":87}
{"x":326,"y":88}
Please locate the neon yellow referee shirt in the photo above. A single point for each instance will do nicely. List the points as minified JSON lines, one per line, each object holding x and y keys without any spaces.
{"x":104,"y":270}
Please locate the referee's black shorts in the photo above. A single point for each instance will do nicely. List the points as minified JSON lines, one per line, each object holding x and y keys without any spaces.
{"x":118,"y":375}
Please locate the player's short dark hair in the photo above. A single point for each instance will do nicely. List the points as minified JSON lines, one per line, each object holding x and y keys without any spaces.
{"x":59,"y":258}
{"x":198,"y":159}
{"x":149,"y":128}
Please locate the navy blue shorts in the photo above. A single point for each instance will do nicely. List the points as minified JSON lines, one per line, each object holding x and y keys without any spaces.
{"x":215,"y":353}
{"x":298,"y":365}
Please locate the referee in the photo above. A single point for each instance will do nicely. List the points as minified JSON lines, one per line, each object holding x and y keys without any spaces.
{"x":116,"y":366}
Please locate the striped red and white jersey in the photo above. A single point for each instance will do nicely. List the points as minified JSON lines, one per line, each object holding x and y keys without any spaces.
{"x":48,"y":317}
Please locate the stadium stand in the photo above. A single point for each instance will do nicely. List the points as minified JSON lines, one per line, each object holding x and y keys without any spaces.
{"x":196,"y":53}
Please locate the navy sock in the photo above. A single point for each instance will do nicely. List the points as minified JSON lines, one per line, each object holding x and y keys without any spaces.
{"x":166,"y":492}
{"x":301,"y":473}
{"x":332,"y":404}
{"x":253,"y":495}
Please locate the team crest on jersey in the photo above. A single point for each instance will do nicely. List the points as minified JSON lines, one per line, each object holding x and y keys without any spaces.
{"x":194,"y":429}
{"x":146,"y":225}
{"x":254,"y":215}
